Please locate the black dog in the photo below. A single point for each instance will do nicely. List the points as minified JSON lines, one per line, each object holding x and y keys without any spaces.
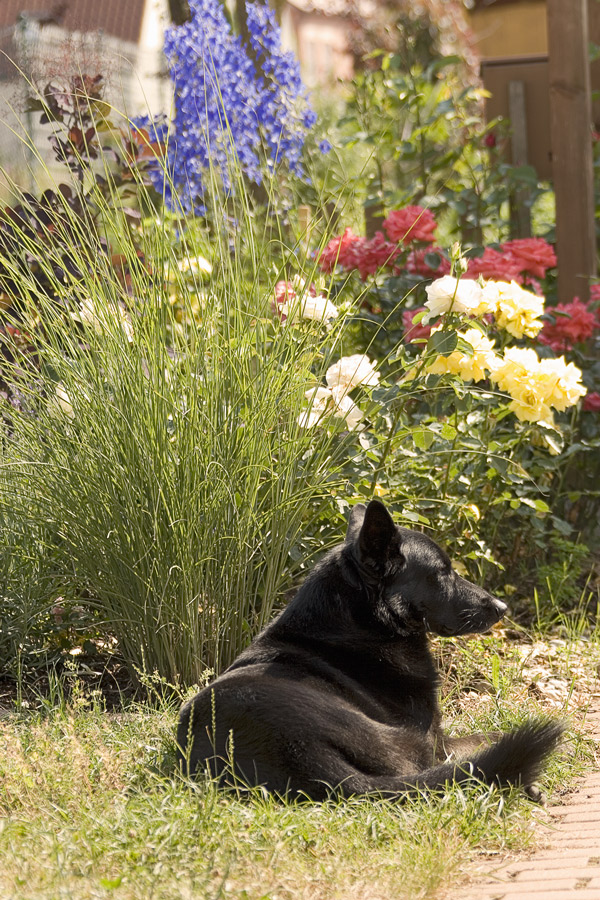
{"x":340,"y":690}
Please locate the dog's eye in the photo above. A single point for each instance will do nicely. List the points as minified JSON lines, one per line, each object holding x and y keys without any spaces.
{"x":437,"y":577}
{"x":433,"y":578}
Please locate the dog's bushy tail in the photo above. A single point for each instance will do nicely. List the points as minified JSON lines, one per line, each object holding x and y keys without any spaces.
{"x":516,"y":758}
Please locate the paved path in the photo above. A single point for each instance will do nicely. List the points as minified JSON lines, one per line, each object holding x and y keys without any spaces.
{"x":569,"y":858}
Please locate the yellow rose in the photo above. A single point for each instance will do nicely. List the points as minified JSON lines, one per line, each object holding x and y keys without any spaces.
{"x":536,"y":386}
{"x":562,"y":382}
{"x":516,"y":310}
{"x":529,"y":407}
{"x":380,"y":491}
{"x":470,"y":367}
{"x":514,"y":373}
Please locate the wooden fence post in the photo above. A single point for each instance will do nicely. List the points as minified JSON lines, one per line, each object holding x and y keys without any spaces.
{"x":571,"y":144}
{"x":520,"y":202}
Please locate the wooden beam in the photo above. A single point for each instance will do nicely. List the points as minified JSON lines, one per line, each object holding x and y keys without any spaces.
{"x":179,"y":11}
{"x":520,"y":206}
{"x":571,"y":144}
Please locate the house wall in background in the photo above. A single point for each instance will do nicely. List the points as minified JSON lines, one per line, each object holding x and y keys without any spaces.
{"x":120,"y":39}
{"x":510,"y":29}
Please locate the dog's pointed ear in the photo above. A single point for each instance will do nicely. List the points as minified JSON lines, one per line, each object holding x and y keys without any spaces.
{"x":357,"y":515}
{"x":376,"y":532}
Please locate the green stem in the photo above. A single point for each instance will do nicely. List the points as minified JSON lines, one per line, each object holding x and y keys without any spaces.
{"x":450,"y":457}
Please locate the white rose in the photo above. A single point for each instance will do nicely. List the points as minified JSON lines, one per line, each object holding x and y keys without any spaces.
{"x":324,"y":401}
{"x":452,"y":294}
{"x":351,"y":371}
{"x":348,"y":410}
{"x":95,"y":318}
{"x":320,"y":399}
{"x":62,"y":401}
{"x":318,"y":308}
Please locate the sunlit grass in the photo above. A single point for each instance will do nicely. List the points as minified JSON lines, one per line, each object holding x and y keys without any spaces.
{"x":91,"y":804}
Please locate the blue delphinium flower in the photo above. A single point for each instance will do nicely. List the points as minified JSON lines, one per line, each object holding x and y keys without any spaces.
{"x":282,"y":95}
{"x":233,"y":104}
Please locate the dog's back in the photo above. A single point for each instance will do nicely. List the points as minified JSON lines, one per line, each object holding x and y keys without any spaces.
{"x":340,"y":690}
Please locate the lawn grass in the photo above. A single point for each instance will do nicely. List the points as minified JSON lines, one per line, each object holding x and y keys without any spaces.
{"x":91,"y":806}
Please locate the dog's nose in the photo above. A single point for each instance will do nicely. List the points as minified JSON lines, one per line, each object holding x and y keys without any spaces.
{"x":500,"y":608}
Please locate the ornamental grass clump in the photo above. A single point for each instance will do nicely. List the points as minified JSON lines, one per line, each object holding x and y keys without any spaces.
{"x":167,"y":465}
{"x":149,"y":408}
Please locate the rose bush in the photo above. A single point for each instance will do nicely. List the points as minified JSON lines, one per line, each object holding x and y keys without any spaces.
{"x":466,"y":349}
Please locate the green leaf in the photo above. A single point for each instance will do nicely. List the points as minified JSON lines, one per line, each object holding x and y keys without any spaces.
{"x":496,"y":672}
{"x":442,"y":343}
{"x":423,"y":438}
{"x":448,"y":431}
{"x":539,"y":505}
{"x":111,"y":883}
{"x":464,"y":346}
{"x":433,"y":259}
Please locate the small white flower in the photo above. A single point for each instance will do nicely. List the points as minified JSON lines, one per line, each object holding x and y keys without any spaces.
{"x":349,"y":372}
{"x":93,"y":318}
{"x":317,"y":308}
{"x":456,"y":295}
{"x":196,"y":265}
{"x":61,"y":402}
{"x":320,"y":399}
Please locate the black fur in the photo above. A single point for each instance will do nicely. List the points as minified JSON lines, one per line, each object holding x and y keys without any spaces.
{"x":340,"y":691}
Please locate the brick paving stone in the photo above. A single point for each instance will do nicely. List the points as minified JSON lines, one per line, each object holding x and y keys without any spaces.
{"x":591,"y":815}
{"x":576,"y":844}
{"x":580,"y":859}
{"x":545,"y":893}
{"x":575,"y":831}
{"x":529,"y":889}
{"x":570,"y":809}
{"x":577,"y":872}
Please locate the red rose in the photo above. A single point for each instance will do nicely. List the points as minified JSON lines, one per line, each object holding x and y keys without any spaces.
{"x":495,"y":265}
{"x":575,"y":323}
{"x":374,"y":254}
{"x":595,"y":292}
{"x":412,"y":223}
{"x":533,"y":255}
{"x":591,"y":402}
{"x":340,"y":251}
